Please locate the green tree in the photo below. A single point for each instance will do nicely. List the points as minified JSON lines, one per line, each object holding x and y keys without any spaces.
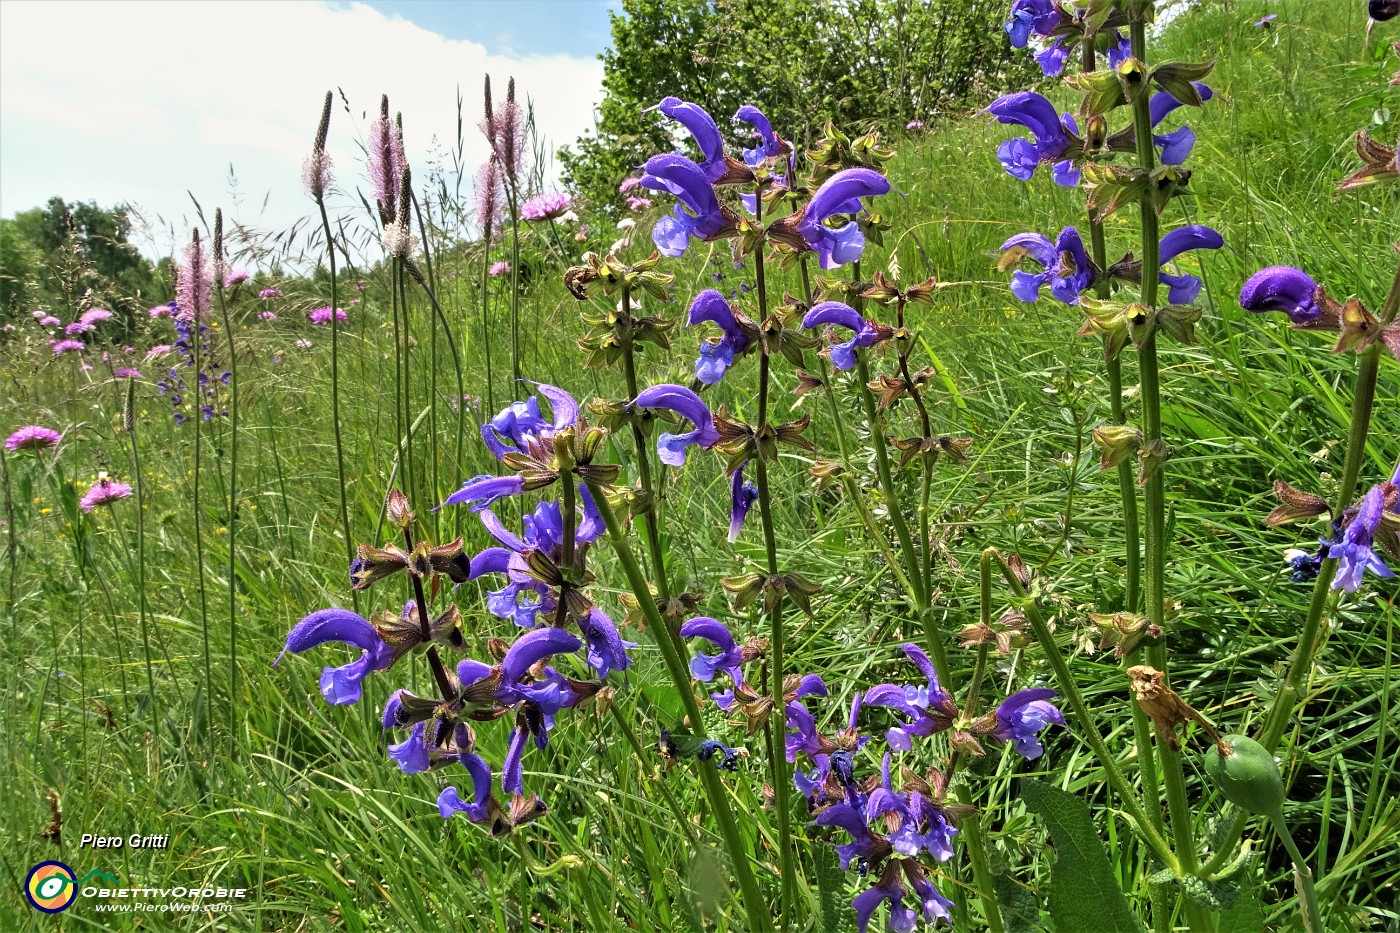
{"x":859,"y":63}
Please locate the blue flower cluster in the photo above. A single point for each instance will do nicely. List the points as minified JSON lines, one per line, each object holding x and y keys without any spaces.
{"x":205,"y":392}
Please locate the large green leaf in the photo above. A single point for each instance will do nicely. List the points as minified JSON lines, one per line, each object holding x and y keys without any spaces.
{"x":1084,"y":893}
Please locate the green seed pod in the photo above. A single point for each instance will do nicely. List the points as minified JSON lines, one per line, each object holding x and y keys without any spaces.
{"x":1246,"y":774}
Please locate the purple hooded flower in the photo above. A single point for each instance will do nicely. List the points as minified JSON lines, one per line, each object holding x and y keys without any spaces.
{"x":1065,"y":263}
{"x":341,"y":685}
{"x":512,"y":780}
{"x":516,"y":425}
{"x":716,"y":357}
{"x":839,"y":194}
{"x":1023,"y":716}
{"x":412,"y":752}
{"x":742,"y":496}
{"x":1031,"y":17}
{"x":607,"y":651}
{"x":918,"y":825}
{"x":834,"y":313}
{"x":730,"y":658}
{"x":1282,"y":288}
{"x":929,"y":707}
{"x":863,"y":844}
{"x":902,"y":919}
{"x":524,"y":598}
{"x":1353,"y":548}
{"x":671,"y":448}
{"x":771,"y":147}
{"x":1183,"y":289}
{"x":702,"y":129}
{"x":1052,"y":58}
{"x":705,"y":220}
{"x":529,"y":649}
{"x":1177,"y":145}
{"x":481,"y":491}
{"x":1051,"y":131}
{"x":450,"y":802}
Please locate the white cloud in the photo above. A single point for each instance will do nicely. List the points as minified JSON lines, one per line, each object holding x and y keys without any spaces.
{"x":145,"y":101}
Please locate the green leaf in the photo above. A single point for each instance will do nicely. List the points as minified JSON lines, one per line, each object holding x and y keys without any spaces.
{"x":1084,"y":894}
{"x":1019,"y":910}
{"x":1246,"y":916}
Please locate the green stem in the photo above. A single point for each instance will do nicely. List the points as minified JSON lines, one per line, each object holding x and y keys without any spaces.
{"x":1154,"y":493}
{"x":752,"y":898}
{"x":1307,"y":893}
{"x":651,"y":516}
{"x":777,"y":757}
{"x":1154,"y":838}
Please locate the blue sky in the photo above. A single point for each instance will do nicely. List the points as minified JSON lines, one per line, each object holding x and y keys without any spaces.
{"x":160,"y":104}
{"x":513,"y":27}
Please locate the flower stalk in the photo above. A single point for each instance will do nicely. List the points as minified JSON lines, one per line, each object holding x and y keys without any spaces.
{"x":753,"y":901}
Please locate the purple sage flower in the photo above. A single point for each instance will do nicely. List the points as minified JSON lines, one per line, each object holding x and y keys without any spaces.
{"x":730,"y":658}
{"x":836,"y":314}
{"x":839,"y":194}
{"x":742,"y":496}
{"x":716,"y":357}
{"x":671,"y":448}
{"x":1353,"y":546}
{"x":772,"y":145}
{"x":699,"y":213}
{"x":1282,"y":288}
{"x":341,"y":685}
{"x":1065,"y":264}
{"x":1183,"y":289}
{"x":703,"y":130}
{"x":929,"y":707}
{"x":1052,"y":132}
{"x":1031,"y":17}
{"x":1023,"y":716}
{"x":450,"y":801}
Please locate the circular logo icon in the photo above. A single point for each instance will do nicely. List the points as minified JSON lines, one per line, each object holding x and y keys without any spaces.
{"x":50,"y":887}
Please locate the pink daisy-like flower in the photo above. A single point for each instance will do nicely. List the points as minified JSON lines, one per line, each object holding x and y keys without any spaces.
{"x":93,"y":316}
{"x":629,"y":183}
{"x":85,"y":368}
{"x":161,"y":311}
{"x":323,"y":315}
{"x":234,"y":278}
{"x":128,"y":350}
{"x":157,"y":351}
{"x":267,"y":293}
{"x":638,"y":204}
{"x":34,"y":437}
{"x":500,"y":268}
{"x":546,"y":207}
{"x":128,"y":373}
{"x":77,"y":327}
{"x":104,"y":491}
{"x":38,"y":313}
{"x":63,"y":346}
{"x":49,"y":321}
{"x":268,"y":315}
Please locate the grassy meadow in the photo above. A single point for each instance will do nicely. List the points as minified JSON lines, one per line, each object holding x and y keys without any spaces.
{"x":191,"y":586}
